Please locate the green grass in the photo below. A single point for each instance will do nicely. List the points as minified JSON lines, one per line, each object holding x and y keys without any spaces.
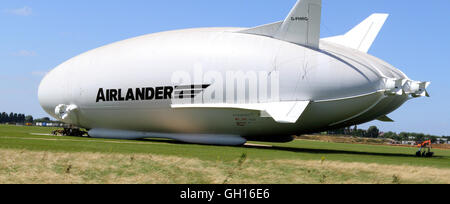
{"x":28,"y":158}
{"x":13,"y":137}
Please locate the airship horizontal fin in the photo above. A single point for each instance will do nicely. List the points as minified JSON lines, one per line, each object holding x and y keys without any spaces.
{"x":301,"y":26}
{"x":281,"y":112}
{"x":363,"y":35}
{"x":385,"y":118}
{"x":287,"y":112}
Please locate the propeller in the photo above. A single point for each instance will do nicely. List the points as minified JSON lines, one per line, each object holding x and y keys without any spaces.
{"x":417,"y":88}
{"x":394,"y":86}
{"x":64,"y":112}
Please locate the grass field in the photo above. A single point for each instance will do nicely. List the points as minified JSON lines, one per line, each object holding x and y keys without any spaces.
{"x":28,"y":158}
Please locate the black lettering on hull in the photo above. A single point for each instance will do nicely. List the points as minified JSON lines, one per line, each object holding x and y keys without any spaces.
{"x":149,"y":93}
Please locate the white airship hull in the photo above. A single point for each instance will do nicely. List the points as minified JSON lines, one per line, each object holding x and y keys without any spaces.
{"x":330,"y":86}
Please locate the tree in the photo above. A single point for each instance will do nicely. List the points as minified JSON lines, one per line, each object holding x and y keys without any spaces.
{"x":29,"y":119}
{"x":337,"y":132}
{"x":390,"y":135}
{"x":433,"y":139}
{"x":6,"y":117}
{"x":373,"y":132}
{"x":3,"y":117}
{"x":404,"y":136}
{"x":43,"y":120}
{"x":359,"y":133}
{"x":419,"y":136}
{"x":19,"y":118}
{"x":11,"y":117}
{"x":15,"y":118}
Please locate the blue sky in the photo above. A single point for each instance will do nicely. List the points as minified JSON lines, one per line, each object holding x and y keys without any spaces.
{"x":36,"y":36}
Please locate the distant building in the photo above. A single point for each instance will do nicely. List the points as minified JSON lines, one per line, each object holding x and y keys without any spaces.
{"x":44,"y":124}
{"x":442,"y":140}
{"x":408,"y":143}
{"x":392,"y":141}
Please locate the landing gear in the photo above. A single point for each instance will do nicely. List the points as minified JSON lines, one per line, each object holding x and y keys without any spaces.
{"x":424,"y":154}
{"x":425,"y":150}
{"x":74,"y":132}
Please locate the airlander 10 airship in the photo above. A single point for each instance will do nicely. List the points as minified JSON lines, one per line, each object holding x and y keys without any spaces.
{"x":224,"y":86}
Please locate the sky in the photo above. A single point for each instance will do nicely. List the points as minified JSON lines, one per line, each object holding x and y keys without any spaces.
{"x":38,"y":35}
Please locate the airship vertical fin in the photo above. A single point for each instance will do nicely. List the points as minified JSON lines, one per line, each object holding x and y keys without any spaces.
{"x":363,"y":35}
{"x":301,"y":26}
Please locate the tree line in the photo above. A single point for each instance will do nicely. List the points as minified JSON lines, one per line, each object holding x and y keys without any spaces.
{"x":410,"y":136}
{"x":374,"y":132}
{"x":22,"y":118}
{"x":15,"y":118}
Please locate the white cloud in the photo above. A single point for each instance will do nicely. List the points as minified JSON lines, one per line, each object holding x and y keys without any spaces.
{"x":25,"y":11}
{"x":25,"y":53}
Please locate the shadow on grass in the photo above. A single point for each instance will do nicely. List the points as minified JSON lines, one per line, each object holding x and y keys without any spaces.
{"x":304,"y":150}
{"x":329,"y":151}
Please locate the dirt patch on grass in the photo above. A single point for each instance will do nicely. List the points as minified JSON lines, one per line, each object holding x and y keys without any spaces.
{"x":357,"y":140}
{"x":48,"y":167}
{"x":23,"y":166}
{"x":377,"y":173}
{"x":441,"y":146}
{"x":343,"y":139}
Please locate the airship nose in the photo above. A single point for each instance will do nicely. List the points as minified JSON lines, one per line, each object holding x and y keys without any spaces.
{"x":53,"y":91}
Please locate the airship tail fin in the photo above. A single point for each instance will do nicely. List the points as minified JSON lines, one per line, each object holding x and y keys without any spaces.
{"x":301,"y":26}
{"x":385,"y":118}
{"x":363,"y":35}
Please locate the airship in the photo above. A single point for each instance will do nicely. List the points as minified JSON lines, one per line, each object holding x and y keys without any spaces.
{"x":227,"y":86}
